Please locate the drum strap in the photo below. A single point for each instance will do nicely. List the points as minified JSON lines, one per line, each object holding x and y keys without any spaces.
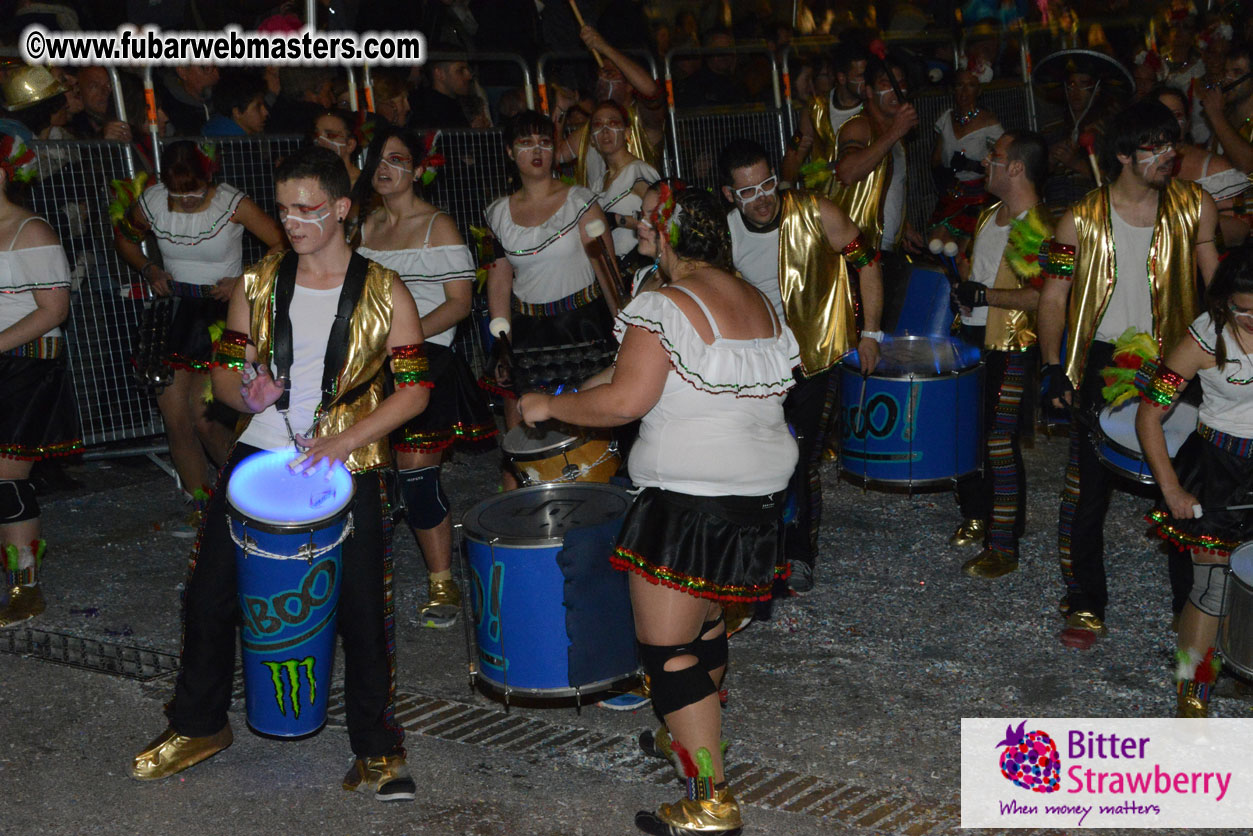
{"x":336,"y":344}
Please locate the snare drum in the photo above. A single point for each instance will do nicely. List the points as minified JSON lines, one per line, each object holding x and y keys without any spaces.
{"x":552,"y":617}
{"x":1235,"y":637}
{"x":1118,"y":447}
{"x":288,"y":530}
{"x":547,"y":455}
{"x":916,"y":422}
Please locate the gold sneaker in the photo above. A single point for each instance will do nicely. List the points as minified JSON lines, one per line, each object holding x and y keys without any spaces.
{"x":989,"y":564}
{"x":442,"y":606}
{"x":969,"y":533}
{"x":1189,"y":703}
{"x":386,"y":775}
{"x":172,"y":752}
{"x":711,"y":815}
{"x":25,"y":602}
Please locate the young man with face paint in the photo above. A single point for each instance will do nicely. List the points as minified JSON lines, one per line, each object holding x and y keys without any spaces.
{"x":1004,"y":287}
{"x":823,"y":117}
{"x":1100,"y":281}
{"x":793,"y":247}
{"x":293,"y":315}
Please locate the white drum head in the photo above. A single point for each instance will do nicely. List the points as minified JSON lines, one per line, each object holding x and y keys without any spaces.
{"x":1118,"y":424}
{"x":528,"y":443}
{"x":1242,"y":563}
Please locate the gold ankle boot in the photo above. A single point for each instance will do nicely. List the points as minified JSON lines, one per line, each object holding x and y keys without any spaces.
{"x":443,"y":604}
{"x":21,"y":572}
{"x":969,"y":533}
{"x":717,"y":814}
{"x":990,"y":564}
{"x":25,"y":602}
{"x":172,"y":752}
{"x":1192,"y":699}
{"x":387,"y":776}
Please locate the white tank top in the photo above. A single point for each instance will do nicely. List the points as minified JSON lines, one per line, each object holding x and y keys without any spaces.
{"x":1227,"y":392}
{"x":620,"y":200}
{"x":24,"y":271}
{"x":1131,"y":301}
{"x":756,"y":256}
{"x":197,"y":247}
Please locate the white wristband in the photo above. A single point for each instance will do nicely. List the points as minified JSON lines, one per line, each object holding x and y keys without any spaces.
{"x":877,"y":336}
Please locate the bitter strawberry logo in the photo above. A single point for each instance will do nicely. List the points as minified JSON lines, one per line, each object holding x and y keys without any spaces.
{"x":1030,"y":759}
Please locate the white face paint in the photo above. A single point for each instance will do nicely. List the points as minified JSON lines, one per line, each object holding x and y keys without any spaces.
{"x":313,"y":219}
{"x":190,"y":195}
{"x":328,"y":143}
{"x":400,"y":167}
{"x":1151,"y":157}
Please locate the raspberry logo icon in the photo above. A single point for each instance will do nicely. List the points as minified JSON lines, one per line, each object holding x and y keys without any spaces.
{"x":1030,"y":759}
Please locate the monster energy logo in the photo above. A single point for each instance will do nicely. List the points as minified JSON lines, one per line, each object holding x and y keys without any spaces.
{"x":286,"y":676}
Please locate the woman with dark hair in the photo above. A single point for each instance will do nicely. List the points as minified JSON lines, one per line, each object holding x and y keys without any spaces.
{"x":964,"y":135}
{"x":546,"y":291}
{"x":334,"y":130}
{"x":705,"y":364}
{"x":626,"y":176}
{"x":1214,"y":467}
{"x":198,"y":226}
{"x":38,"y":418}
{"x":421,"y":243}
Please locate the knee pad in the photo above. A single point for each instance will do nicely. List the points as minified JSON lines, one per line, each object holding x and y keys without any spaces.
{"x":712,"y":653}
{"x":426,"y":506}
{"x":672,"y":690}
{"x":1209,"y":587}
{"x":17,"y":501}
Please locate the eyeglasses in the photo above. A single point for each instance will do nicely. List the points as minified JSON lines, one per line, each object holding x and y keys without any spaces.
{"x":530,"y":143}
{"x":750,"y":193}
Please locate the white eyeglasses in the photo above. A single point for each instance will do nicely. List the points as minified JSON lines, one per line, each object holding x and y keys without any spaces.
{"x":763,"y":189}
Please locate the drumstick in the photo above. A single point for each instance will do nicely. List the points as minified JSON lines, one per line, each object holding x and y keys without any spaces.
{"x":578,"y":17}
{"x":1196,"y":509}
{"x":610,"y":281}
{"x":499,"y":328}
{"x":1088,"y":141}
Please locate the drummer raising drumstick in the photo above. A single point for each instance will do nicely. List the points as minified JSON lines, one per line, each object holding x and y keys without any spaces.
{"x":317,"y":306}
{"x":1214,"y":467}
{"x":705,"y":362}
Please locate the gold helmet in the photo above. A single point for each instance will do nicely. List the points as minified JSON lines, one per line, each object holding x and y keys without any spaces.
{"x":28,"y":84}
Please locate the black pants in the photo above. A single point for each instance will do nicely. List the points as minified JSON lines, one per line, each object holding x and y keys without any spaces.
{"x":809,"y":407}
{"x":202,"y":693}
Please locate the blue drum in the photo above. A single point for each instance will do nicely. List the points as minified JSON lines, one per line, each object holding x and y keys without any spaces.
{"x":288,"y":529}
{"x":552,"y":617}
{"x":917,"y":422}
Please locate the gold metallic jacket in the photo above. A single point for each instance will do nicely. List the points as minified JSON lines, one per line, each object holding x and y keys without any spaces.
{"x":1009,"y":329}
{"x":820,"y":300}
{"x":363,"y":364}
{"x":863,"y":201}
{"x":1171,"y":266}
{"x":636,"y":142}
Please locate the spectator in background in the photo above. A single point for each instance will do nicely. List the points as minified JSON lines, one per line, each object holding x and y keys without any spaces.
{"x":438,"y":105}
{"x":240,"y":104}
{"x":333,"y":130}
{"x":185,"y":94}
{"x":97,"y":118}
{"x":304,"y":92}
{"x":715,"y":82}
{"x":55,"y":17}
{"x":391,"y":96}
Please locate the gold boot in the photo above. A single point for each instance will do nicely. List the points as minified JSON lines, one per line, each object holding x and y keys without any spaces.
{"x":25,"y":599}
{"x":1192,"y":699}
{"x":990,"y":564}
{"x":443,"y":604}
{"x":718,"y":814}
{"x":25,"y":602}
{"x":172,"y":752}
{"x":387,"y":776}
{"x":969,"y":533}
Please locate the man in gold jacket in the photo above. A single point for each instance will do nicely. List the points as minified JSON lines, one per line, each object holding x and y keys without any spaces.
{"x":822,"y":118}
{"x":1005,"y":280}
{"x":319,"y":297}
{"x":1124,"y":257}
{"x":793,"y":247}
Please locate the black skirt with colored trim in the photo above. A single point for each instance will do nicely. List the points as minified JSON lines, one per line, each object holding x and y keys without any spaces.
{"x":189,"y":345}
{"x":38,"y":415}
{"x":456,"y":412}
{"x":1217,"y":478}
{"x":725,"y":548}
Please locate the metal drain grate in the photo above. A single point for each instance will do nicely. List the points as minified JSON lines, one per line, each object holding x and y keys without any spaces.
{"x":89,"y":654}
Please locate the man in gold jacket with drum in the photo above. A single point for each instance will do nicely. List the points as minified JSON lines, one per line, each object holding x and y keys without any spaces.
{"x":793,"y":247}
{"x":1005,"y":279}
{"x":329,"y":321}
{"x":1124,"y":257}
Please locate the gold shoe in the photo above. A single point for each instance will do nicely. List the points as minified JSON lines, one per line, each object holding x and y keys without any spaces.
{"x":1085,"y":621}
{"x":1192,"y":700}
{"x":25,"y":602}
{"x":442,"y":606}
{"x":737,"y":616}
{"x":711,"y":815}
{"x":172,"y":752}
{"x":387,"y":776}
{"x":989,"y":564}
{"x":969,"y":533}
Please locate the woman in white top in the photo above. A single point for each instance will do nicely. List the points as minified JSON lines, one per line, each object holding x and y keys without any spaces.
{"x":421,"y":243}
{"x":626,"y":176}
{"x":38,"y":418}
{"x":198,"y":227}
{"x":1214,"y":467}
{"x":546,"y":291}
{"x":964,"y":134}
{"x":333,"y":130}
{"x":705,"y":363}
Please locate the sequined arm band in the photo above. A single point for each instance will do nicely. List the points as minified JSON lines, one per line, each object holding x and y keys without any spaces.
{"x":1162,"y":385}
{"x":410,"y":367}
{"x":1057,"y":260}
{"x":230,"y":351}
{"x":858,"y":254}
{"x":128,"y":230}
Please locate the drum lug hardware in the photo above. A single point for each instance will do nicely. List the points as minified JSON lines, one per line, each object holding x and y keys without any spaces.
{"x":571,"y":472}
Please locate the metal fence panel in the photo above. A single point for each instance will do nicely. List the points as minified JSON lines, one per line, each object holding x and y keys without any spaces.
{"x":73,"y":194}
{"x":702,"y":134}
